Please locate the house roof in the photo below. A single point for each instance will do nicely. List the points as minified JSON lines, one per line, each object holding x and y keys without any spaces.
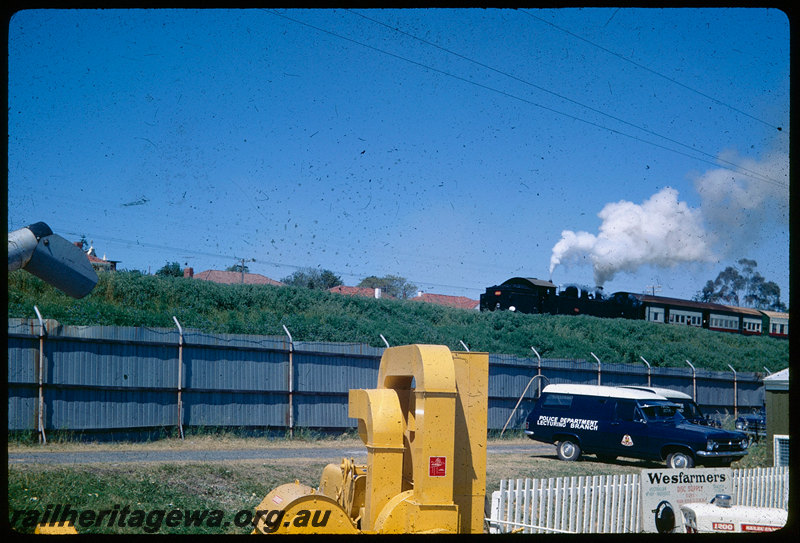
{"x":367,"y":292}
{"x":461,"y":302}
{"x":94,"y":259}
{"x":235,"y":278}
{"x":778,"y":380}
{"x":92,"y":255}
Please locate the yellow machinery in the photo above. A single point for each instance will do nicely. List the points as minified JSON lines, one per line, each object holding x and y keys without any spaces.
{"x":424,"y":427}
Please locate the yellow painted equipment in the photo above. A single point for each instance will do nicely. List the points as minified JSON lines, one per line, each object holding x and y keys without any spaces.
{"x":66,"y":528}
{"x":424,"y":427}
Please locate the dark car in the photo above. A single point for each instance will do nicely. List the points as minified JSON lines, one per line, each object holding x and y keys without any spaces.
{"x":753,"y":424}
{"x":614,"y":421}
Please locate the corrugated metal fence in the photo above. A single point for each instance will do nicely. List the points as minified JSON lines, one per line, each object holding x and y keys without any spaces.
{"x":112,"y":378}
{"x":608,"y":503}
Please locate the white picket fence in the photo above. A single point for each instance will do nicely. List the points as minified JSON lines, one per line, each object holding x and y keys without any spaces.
{"x":607,"y":503}
{"x":761,"y":487}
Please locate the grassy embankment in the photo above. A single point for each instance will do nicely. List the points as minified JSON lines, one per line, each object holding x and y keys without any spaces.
{"x":133,"y":299}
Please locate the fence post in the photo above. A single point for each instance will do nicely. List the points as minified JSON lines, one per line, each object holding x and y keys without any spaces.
{"x":694,"y":382}
{"x":290,"y":383}
{"x":180,"y":375}
{"x":524,"y":391}
{"x":598,"y":367}
{"x":42,"y":332}
{"x":648,"y":369}
{"x":735,"y":408}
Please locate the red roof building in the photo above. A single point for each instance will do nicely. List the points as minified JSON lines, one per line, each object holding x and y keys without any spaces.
{"x":99,"y":264}
{"x":231,"y":277}
{"x":460,"y":302}
{"x":366,"y":292}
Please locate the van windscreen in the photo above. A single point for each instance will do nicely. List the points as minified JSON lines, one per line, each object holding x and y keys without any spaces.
{"x":660,"y":411}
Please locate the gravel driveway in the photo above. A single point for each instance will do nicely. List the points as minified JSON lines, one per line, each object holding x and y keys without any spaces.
{"x":321,"y":453}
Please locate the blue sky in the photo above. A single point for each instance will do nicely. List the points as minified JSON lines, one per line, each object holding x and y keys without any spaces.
{"x":456,"y":148}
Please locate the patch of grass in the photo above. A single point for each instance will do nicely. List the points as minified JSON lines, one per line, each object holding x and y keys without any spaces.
{"x":236,"y":488}
{"x":232,"y":489}
{"x":211,"y":438}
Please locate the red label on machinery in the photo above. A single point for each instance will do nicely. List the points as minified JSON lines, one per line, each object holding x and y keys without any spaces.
{"x":759,"y":528}
{"x":437,"y":466}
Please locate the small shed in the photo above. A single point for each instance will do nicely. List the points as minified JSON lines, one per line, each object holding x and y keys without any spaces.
{"x":776,"y":390}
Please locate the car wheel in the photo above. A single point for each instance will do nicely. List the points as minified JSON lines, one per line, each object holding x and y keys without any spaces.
{"x":679,"y":460}
{"x":568,"y":450}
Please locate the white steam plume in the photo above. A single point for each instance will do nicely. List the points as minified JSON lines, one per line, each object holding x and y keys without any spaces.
{"x":664,"y":232}
{"x":736,"y":207}
{"x":661,"y":232}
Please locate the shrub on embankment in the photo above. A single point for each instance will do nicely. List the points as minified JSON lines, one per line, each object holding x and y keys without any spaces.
{"x":135,"y":299}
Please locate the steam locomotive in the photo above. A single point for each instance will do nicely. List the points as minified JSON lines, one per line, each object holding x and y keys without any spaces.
{"x":531,"y":295}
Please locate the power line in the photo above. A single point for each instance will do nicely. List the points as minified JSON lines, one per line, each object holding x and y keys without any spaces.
{"x":715,"y":160}
{"x":654,"y":72}
{"x":186,"y":253}
{"x":562,"y":97}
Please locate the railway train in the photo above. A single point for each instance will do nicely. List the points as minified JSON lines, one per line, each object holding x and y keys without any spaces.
{"x":531,"y":295}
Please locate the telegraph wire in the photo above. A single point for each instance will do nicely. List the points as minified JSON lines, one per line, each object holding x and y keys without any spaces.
{"x":238,"y":259}
{"x":715,"y":161}
{"x":654,"y":72}
{"x":562,"y":97}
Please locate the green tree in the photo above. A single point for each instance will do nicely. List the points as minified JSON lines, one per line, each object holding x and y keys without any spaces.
{"x":742,"y":286}
{"x":238,"y":268}
{"x":171,"y":269}
{"x":391,"y":285}
{"x":313,"y":278}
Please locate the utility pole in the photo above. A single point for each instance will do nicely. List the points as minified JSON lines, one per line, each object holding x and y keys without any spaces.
{"x":653,"y":289}
{"x":243,"y":260}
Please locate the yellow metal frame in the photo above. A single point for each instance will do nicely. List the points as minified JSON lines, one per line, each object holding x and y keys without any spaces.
{"x":424,"y":427}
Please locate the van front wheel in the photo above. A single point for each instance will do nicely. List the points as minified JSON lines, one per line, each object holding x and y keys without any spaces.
{"x":679,"y":460}
{"x":568,"y":450}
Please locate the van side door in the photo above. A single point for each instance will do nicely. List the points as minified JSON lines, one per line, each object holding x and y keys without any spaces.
{"x":627,"y":435}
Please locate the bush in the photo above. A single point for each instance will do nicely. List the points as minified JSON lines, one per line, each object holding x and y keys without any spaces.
{"x":134,"y":299}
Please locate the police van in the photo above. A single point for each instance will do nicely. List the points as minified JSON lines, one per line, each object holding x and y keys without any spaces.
{"x":614,"y":421}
